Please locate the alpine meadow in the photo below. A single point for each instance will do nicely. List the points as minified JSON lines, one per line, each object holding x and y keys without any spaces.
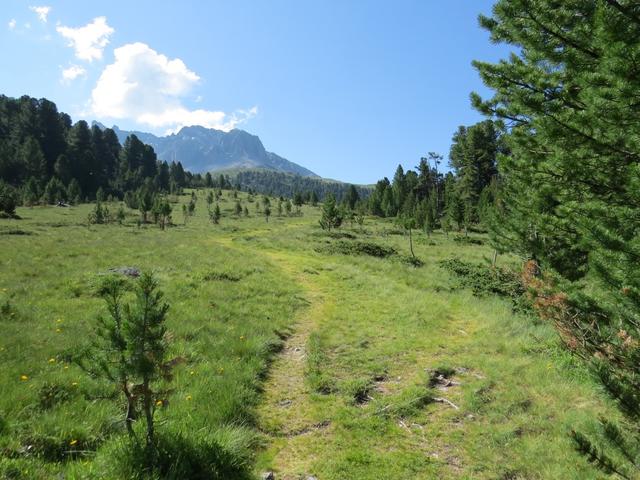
{"x":179,"y":302}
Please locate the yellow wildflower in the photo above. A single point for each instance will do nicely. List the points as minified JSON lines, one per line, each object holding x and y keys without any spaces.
{"x":192,"y":372}
{"x":74,"y":384}
{"x":24,"y":377}
{"x":73,"y":442}
{"x":52,"y":360}
{"x":188,"y":397}
{"x":58,"y":330}
{"x":159,"y":403}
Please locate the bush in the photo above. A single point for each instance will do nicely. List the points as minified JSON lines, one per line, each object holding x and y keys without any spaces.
{"x":99,"y":215}
{"x":358,"y":248}
{"x":222,"y":276}
{"x":486,"y":279}
{"x":467,"y":240}
{"x":411,"y":261}
{"x":8,"y":199}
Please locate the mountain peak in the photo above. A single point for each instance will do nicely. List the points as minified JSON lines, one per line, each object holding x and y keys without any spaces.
{"x":202,"y":149}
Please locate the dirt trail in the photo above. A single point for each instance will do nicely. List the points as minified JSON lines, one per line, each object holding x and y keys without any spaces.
{"x":284,"y":414}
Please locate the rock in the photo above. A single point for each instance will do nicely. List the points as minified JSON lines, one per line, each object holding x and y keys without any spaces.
{"x":311,"y":477}
{"x":268,"y":476}
{"x":127,"y":271}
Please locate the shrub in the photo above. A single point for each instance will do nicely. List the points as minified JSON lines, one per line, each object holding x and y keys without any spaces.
{"x":467,"y":240}
{"x":8,"y":199}
{"x":331,"y":217}
{"x":358,"y":248}
{"x":486,"y":279}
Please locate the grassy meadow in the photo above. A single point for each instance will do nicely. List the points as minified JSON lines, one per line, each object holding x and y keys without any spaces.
{"x":301,"y":353}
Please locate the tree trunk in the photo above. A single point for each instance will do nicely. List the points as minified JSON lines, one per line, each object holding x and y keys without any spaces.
{"x":131,"y":413}
{"x":411,"y":243}
{"x":148,"y":412}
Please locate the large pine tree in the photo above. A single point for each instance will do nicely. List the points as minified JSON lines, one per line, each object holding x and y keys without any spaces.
{"x":570,"y":197}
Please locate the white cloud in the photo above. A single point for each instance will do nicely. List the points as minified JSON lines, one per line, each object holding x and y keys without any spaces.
{"x":12,"y":24}
{"x":42,"y":12}
{"x":88,"y":41}
{"x":147,"y":87}
{"x":71,"y":73}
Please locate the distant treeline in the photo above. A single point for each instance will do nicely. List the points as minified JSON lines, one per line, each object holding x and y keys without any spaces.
{"x":287,"y":184}
{"x":463,"y":197}
{"x":45,"y":157}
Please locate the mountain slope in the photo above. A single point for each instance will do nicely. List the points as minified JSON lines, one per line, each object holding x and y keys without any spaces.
{"x":206,"y":149}
{"x":286,"y":184}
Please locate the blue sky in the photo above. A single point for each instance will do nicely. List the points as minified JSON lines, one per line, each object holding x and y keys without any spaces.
{"x":347,"y":88}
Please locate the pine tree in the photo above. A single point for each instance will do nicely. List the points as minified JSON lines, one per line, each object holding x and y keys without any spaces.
{"x":74,"y":194}
{"x":34,"y":161}
{"x":473,"y":156}
{"x":352,"y":197}
{"x":145,"y":201}
{"x":455,"y":209}
{"x":30,"y":192}
{"x":131,"y":200}
{"x":131,"y":351}
{"x":121,"y":215}
{"x":568,"y":198}
{"x":407,"y":218}
{"x":399,"y":192}
{"x":54,"y":191}
{"x":8,"y":199}
{"x":331,"y":217}
{"x":430,"y":213}
{"x":388,"y":203}
{"x":162,"y":211}
{"x":82,"y":161}
{"x":185,"y":213}
{"x":215,"y":215}
{"x":298,"y":201}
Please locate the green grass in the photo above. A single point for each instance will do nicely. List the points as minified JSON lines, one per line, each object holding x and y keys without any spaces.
{"x":349,"y":395}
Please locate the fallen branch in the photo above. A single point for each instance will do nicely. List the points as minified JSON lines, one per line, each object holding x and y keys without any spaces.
{"x":444,"y":400}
